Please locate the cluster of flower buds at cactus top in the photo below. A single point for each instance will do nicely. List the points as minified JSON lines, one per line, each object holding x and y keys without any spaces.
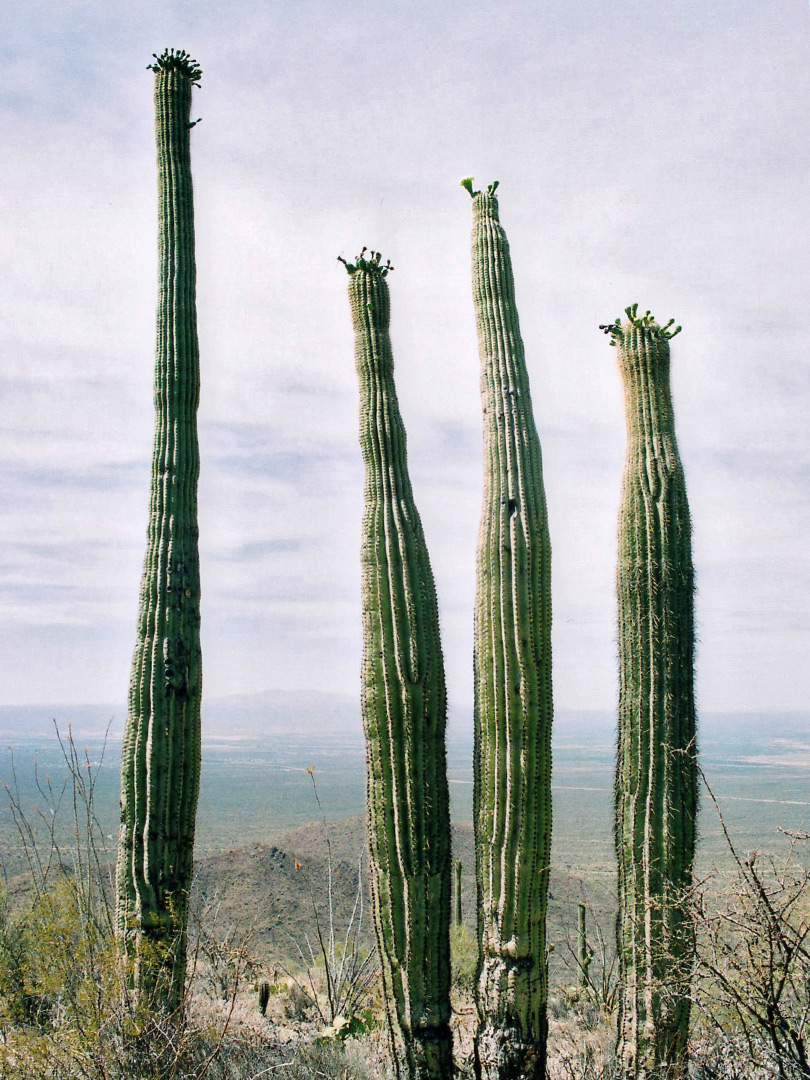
{"x":171,"y":60}
{"x":646,"y":321}
{"x":373,"y":262}
{"x":467,"y":184}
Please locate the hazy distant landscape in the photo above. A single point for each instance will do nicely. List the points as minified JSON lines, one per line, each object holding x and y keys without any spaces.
{"x":263,"y":853}
{"x":257,"y":750}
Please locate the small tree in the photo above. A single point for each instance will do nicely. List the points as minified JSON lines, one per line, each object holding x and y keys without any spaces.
{"x":754,"y":958}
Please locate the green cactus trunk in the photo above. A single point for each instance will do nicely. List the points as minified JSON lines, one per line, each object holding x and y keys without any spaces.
{"x":583,"y":952}
{"x":404,"y":712}
{"x":513,"y":704}
{"x":160,"y":760}
{"x":656,"y":791}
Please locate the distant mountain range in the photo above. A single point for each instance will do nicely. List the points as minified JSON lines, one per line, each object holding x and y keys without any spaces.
{"x":281,"y":711}
{"x":19,"y":723}
{"x":238,"y":715}
{"x":291,"y":712}
{"x":270,"y":712}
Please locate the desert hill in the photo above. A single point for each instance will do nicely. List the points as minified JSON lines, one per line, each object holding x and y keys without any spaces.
{"x":271,"y":891}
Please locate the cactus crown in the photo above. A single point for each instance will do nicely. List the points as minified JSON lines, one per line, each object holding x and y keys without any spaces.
{"x":467,"y":184}
{"x":370,"y":265}
{"x":638,"y":322}
{"x":171,"y":60}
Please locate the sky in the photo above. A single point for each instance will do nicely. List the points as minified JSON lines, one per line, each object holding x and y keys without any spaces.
{"x":646,"y":152}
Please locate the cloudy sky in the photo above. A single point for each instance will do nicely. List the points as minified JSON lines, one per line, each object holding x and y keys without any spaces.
{"x":648,"y":152}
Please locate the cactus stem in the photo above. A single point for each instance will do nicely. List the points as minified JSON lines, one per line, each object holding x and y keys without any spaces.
{"x":404,"y":706}
{"x":656,"y":768}
{"x":160,"y":757}
{"x":512,"y":661}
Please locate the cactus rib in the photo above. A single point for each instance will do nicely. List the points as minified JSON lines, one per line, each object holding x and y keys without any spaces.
{"x":404,"y":711}
{"x":513,"y":704}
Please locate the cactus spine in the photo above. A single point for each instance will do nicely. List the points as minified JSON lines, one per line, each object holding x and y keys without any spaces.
{"x":160,"y":764}
{"x":656,"y":770}
{"x":513,"y":705}
{"x":404,"y":711}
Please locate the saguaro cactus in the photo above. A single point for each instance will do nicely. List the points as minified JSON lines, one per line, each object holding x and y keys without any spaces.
{"x":656,"y":770}
{"x":160,"y":759}
{"x":404,"y":711}
{"x":513,"y":705}
{"x":583,"y":952}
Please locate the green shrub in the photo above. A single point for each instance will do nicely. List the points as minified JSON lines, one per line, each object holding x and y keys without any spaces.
{"x":463,"y":958}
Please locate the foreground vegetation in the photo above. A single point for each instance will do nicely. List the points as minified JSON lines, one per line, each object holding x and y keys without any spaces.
{"x":67,"y":1010}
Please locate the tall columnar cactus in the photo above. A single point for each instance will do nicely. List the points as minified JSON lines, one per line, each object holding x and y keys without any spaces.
{"x":404,"y":711}
{"x":656,"y":793}
{"x":513,"y":704}
{"x":160,"y":764}
{"x":583,"y":952}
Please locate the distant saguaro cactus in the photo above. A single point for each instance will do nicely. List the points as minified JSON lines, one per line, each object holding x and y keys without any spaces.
{"x":160,"y":758}
{"x":513,"y":704}
{"x":459,"y":913}
{"x":404,"y":711}
{"x":656,"y":791}
{"x":583,"y":952}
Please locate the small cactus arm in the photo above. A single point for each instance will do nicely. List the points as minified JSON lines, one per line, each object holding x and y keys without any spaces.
{"x":404,"y":708}
{"x":160,"y":758}
{"x":513,"y":703}
{"x":656,"y":786}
